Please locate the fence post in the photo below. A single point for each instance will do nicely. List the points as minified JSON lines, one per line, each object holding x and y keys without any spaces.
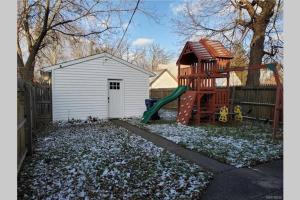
{"x":28,"y":113}
{"x":232,"y":98}
{"x":34,"y":115}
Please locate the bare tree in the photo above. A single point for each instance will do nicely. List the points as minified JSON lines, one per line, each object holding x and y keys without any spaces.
{"x":240,"y":57}
{"x":158,"y":55}
{"x":138,"y":56}
{"x":40,"y":22}
{"x":255,"y":23}
{"x":149,"y":57}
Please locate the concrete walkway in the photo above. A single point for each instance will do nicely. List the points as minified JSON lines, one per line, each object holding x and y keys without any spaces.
{"x":203,"y":161}
{"x":229,"y":183}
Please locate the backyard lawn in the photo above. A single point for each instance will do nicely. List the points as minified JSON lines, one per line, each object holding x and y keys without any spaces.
{"x":241,"y":145}
{"x":101,"y":161}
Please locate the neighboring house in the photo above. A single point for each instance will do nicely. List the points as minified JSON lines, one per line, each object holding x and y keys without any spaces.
{"x":267,"y":77}
{"x":101,"y":85}
{"x":234,"y":80}
{"x":163,"y":79}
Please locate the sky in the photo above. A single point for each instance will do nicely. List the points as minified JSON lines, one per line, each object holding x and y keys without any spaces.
{"x":144,"y":30}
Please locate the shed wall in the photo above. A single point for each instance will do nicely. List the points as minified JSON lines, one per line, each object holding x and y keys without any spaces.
{"x":80,"y":90}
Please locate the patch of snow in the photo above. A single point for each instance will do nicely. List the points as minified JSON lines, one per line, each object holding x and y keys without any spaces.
{"x":100,"y":161}
{"x":238,"y":146}
{"x":167,"y":114}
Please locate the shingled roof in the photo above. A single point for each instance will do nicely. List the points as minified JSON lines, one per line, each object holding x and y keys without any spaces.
{"x":216,"y":48}
{"x":200,"y":51}
{"x":205,"y":49}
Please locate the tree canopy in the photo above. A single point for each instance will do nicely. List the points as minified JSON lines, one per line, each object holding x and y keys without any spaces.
{"x":46,"y":27}
{"x":254,"y":24}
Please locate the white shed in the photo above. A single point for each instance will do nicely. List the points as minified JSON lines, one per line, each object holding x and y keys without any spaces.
{"x":101,"y":85}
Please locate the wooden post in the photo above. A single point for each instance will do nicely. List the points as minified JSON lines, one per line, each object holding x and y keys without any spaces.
{"x":213,"y":106}
{"x":179,"y":84}
{"x":232,"y":99}
{"x":278,"y":102}
{"x":33,"y":104}
{"x":50,"y":99}
{"x":28,"y":114}
{"x":277,"y":109}
{"x":198,"y":113}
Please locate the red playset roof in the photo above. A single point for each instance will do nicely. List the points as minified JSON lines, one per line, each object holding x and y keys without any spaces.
{"x":203,"y":50}
{"x":200,"y":51}
{"x":216,"y":48}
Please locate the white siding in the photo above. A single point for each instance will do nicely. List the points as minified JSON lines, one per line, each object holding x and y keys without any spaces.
{"x":80,"y":90}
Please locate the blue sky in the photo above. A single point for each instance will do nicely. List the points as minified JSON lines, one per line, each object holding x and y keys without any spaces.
{"x":162,"y":32}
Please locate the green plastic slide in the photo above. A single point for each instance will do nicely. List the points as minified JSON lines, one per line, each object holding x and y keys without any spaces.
{"x":174,"y":95}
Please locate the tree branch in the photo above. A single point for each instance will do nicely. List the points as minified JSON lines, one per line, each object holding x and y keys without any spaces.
{"x":84,"y":34}
{"x":34,"y":51}
{"x":245,"y":4}
{"x":272,"y":53}
{"x":244,"y":23}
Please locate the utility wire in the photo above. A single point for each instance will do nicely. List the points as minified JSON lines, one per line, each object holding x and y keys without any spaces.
{"x":136,"y":7}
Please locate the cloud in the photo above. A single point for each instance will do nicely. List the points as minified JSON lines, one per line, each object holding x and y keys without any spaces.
{"x":124,"y":25}
{"x":177,"y":8}
{"x":195,"y":7}
{"x":142,"y":42}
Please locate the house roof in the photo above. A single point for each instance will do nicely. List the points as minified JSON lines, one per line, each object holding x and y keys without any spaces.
{"x":158,"y":74}
{"x":93,"y":57}
{"x":203,"y":49}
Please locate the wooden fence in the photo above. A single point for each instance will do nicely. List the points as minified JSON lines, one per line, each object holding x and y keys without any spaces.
{"x":256,"y":102}
{"x":163,"y":92}
{"x":34,"y":112}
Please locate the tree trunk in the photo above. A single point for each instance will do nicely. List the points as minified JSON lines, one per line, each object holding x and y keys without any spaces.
{"x":256,"y":55}
{"x":29,"y":74}
{"x":26,"y":73}
{"x":257,"y":43}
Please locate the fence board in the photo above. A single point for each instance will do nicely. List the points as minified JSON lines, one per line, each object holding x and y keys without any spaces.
{"x":256,"y":102}
{"x":21,"y":134}
{"x":34,"y":111}
{"x":163,"y":92}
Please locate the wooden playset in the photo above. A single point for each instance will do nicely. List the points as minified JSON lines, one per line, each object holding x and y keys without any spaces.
{"x":200,"y":66}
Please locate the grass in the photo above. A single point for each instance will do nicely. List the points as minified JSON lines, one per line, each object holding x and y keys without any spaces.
{"x":243,"y":144}
{"x":243,"y":130}
{"x":101,"y":161}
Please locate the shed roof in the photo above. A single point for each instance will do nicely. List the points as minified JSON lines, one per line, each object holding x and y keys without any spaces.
{"x":92,"y":57}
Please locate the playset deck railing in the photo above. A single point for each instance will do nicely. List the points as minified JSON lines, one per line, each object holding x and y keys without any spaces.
{"x":185,"y":71}
{"x":198,"y":83}
{"x":203,"y":69}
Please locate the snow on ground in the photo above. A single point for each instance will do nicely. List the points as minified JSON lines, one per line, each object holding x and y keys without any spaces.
{"x":168,"y":115}
{"x":101,"y":161}
{"x":241,"y":145}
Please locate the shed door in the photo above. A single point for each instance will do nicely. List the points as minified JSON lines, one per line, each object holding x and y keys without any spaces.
{"x":115,"y":99}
